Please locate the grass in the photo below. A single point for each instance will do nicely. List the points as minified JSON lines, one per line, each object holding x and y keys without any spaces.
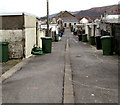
{"x":8,"y":65}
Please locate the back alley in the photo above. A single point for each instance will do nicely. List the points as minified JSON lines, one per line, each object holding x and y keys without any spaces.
{"x":41,"y":80}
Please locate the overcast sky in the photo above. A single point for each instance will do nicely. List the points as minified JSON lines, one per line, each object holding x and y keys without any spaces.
{"x":38,"y":7}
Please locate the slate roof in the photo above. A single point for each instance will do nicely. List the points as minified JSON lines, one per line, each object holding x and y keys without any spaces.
{"x":69,"y":19}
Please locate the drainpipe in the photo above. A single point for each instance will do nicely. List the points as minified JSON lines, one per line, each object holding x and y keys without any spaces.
{"x":37,"y":32}
{"x":94,"y":29}
{"x":48,"y":34}
{"x":23,"y":34}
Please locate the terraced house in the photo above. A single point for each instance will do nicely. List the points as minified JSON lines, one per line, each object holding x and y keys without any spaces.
{"x":65,"y":19}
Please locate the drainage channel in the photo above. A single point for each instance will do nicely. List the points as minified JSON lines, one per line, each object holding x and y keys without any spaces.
{"x":68,"y":92}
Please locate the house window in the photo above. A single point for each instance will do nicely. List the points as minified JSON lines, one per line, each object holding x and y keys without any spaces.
{"x":65,"y":25}
{"x":58,"y":22}
{"x":74,"y":23}
{"x":69,"y":24}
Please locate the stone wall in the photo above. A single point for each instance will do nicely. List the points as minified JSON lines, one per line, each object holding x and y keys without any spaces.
{"x":16,"y":42}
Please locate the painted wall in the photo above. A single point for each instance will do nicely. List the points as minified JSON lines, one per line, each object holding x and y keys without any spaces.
{"x":97,"y":31}
{"x":84,"y":20}
{"x":41,"y":33}
{"x":29,"y":21}
{"x":86,"y":30}
{"x":30,"y":34}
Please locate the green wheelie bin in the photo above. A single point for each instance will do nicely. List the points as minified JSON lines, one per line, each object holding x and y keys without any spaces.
{"x":92,"y":40}
{"x":80,"y":37}
{"x":84,"y":37}
{"x":98,"y":42}
{"x":107,"y":45}
{"x":56,"y":37}
{"x":4,"y":51}
{"x":46,"y":44}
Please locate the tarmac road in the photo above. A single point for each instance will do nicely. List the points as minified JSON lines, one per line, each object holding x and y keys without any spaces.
{"x":39,"y":81}
{"x":95,"y":77}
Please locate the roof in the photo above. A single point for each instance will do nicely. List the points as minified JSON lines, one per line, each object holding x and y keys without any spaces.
{"x":6,"y":14}
{"x":69,"y":19}
{"x":112,"y":19}
{"x":16,"y":14}
{"x":61,"y":14}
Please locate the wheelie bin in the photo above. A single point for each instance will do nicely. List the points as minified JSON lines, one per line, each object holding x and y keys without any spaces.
{"x":98,"y":42}
{"x":92,"y":40}
{"x":107,"y":45}
{"x":46,"y":44}
{"x":84,"y":38}
{"x":80,"y":37}
{"x":4,"y":52}
{"x":56,"y":37}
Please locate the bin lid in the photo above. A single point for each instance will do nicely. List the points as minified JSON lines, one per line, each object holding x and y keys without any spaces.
{"x":84,"y":34}
{"x":46,"y":38}
{"x":98,"y":36}
{"x":4,"y":43}
{"x":106,"y":37}
{"x":92,"y":36}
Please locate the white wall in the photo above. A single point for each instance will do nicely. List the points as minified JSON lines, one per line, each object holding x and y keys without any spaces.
{"x":30,"y":34}
{"x":30,"y":21}
{"x":84,"y":20}
{"x":97,"y":31}
{"x":41,"y":33}
{"x":86,"y":31}
{"x":30,"y":40}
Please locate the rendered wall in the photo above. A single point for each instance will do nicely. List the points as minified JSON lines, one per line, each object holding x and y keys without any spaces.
{"x":16,"y":42}
{"x":41,"y":33}
{"x":30,"y":34}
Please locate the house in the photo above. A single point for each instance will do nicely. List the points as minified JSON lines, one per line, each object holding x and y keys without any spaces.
{"x":65,"y":19}
{"x":84,"y":20}
{"x":20,"y":30}
{"x":88,"y":26}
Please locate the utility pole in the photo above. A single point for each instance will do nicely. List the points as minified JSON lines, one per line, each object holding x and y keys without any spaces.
{"x":48,"y":34}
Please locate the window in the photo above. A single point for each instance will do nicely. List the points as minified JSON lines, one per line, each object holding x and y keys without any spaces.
{"x":65,"y":25}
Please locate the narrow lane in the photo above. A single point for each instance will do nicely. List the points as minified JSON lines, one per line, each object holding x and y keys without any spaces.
{"x":95,"y":77}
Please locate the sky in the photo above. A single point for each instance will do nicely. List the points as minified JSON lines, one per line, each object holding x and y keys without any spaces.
{"x":38,"y":7}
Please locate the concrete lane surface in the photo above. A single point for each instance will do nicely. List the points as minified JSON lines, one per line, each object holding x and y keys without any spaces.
{"x":94,"y":76}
